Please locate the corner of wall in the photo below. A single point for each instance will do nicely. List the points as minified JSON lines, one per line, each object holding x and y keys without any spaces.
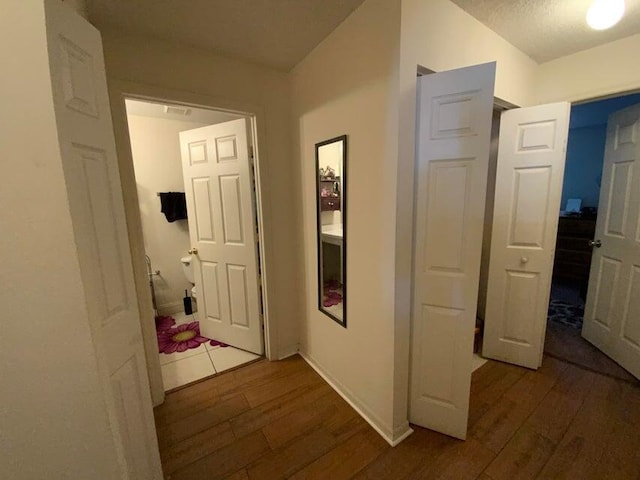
{"x":393,"y":436}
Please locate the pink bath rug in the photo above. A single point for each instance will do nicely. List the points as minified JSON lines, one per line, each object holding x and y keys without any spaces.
{"x":181,"y":338}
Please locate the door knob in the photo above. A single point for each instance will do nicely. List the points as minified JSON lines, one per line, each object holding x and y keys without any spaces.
{"x":595,"y":243}
{"x":193,"y":251}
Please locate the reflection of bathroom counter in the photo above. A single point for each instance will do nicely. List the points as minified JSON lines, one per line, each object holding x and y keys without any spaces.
{"x":332,"y":234}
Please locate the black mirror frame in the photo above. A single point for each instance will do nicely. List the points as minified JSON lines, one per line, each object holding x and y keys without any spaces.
{"x":343,"y":211}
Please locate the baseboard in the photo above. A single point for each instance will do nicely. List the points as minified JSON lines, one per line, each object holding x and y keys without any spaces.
{"x":392,"y":439}
{"x":401,"y":433}
{"x":288,"y":352}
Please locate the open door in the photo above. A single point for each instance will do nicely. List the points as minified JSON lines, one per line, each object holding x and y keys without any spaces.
{"x":612,"y":314}
{"x":87,"y":146}
{"x":530,"y":172}
{"x":453,"y":134}
{"x":219,"y":189}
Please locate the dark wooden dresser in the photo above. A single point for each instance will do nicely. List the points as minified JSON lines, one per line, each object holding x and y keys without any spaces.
{"x":573,"y":253}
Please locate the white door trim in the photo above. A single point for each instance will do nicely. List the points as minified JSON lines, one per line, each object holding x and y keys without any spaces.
{"x":119,"y":90}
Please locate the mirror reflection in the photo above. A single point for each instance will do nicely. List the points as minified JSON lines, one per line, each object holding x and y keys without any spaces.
{"x":331,"y":188}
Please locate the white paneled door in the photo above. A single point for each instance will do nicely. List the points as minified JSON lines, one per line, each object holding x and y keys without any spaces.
{"x":612,"y":314}
{"x":85,"y":133}
{"x":453,"y":134}
{"x":222,"y":228}
{"x":530,"y":170}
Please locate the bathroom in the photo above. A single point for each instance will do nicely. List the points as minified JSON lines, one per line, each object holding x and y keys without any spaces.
{"x":186,"y":355}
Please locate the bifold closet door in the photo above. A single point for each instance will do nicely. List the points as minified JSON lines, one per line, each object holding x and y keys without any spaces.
{"x":530,"y":172}
{"x":453,"y":134}
{"x":87,"y":146}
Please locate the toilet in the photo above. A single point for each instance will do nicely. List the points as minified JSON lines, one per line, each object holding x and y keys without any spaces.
{"x":187,"y":268}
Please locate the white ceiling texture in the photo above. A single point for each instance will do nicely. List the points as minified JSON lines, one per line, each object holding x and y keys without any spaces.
{"x":549,"y":29}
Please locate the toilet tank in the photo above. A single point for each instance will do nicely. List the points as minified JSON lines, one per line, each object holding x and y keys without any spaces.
{"x":187,"y":268}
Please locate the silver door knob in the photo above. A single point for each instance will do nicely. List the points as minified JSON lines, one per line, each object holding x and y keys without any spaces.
{"x":595,"y":243}
{"x":193,"y":251}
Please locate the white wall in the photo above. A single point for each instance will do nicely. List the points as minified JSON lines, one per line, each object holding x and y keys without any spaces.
{"x":155,"y":147}
{"x":346,"y":86}
{"x":170,"y":71}
{"x":605,"y":70}
{"x":53,"y":420}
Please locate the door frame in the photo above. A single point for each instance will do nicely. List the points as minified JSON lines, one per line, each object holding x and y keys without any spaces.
{"x":581,"y":101}
{"x":119,"y":91}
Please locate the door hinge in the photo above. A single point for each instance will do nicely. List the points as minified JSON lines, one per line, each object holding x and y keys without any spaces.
{"x":251,"y":152}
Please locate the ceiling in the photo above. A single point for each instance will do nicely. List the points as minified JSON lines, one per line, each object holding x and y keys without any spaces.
{"x":549,"y":29}
{"x":276,"y":33}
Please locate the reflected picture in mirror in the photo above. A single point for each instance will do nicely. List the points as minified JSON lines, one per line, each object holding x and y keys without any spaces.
{"x":331,"y":162}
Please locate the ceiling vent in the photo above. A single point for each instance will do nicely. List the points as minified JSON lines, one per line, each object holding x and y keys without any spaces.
{"x":182,"y":111}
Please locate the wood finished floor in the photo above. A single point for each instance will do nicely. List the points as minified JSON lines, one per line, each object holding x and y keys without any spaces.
{"x":281,"y":420}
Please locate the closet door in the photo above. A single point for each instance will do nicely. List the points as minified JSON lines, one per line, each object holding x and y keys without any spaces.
{"x":454,"y":126}
{"x":530,"y":171}
{"x":87,"y":146}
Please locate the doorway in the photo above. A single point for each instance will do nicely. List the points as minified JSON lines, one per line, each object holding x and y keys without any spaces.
{"x":576,"y":233}
{"x":195,"y":317}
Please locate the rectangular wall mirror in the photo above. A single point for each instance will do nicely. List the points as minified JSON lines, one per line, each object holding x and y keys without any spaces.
{"x":331,"y":189}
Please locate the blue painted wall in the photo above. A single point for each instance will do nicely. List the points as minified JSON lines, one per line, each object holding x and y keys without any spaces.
{"x":585,"y":148}
{"x":583,"y":171}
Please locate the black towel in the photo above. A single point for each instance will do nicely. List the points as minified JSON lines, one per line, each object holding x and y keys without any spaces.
{"x":174,"y":205}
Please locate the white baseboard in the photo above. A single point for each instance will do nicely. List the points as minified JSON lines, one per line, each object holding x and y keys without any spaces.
{"x":392,"y":439}
{"x":287,"y":352}
{"x":402,"y":433}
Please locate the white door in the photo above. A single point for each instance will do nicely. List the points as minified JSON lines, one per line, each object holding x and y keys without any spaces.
{"x":90,"y":165}
{"x":612,"y":314}
{"x":530,"y":171}
{"x":222,"y":228}
{"x":453,"y":133}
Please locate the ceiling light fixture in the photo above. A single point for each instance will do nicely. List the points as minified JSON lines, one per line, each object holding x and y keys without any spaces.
{"x":603,"y":14}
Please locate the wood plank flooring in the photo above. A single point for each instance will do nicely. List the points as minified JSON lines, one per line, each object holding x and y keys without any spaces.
{"x":272,"y":420}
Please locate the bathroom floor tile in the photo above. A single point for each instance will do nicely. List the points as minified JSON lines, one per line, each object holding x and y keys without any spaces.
{"x":187,"y":370}
{"x":224,"y":358}
{"x":181,"y":318}
{"x":209,"y":347}
{"x":174,"y":357}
